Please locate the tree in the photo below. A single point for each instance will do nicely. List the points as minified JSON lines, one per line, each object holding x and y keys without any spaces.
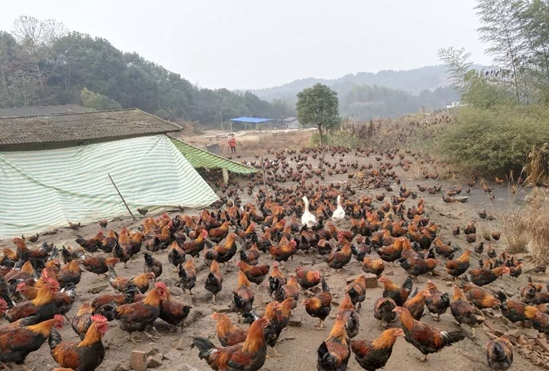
{"x":36,"y":38}
{"x":457,"y":63}
{"x":318,"y":106}
{"x":502,"y":30}
{"x":98,"y":101}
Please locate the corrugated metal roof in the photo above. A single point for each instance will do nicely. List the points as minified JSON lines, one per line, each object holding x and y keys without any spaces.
{"x":81,"y":127}
{"x":43,"y":110}
{"x":202,"y":158}
{"x":254,"y":120}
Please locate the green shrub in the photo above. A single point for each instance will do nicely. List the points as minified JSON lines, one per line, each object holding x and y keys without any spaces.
{"x":495,"y":140}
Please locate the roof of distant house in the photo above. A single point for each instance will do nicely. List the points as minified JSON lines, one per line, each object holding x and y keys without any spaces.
{"x":43,"y":110}
{"x":290,"y":119}
{"x":254,"y":120}
{"x":81,"y":127}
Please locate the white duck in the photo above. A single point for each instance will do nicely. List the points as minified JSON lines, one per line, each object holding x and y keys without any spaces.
{"x":339,"y":213}
{"x":307,"y":219}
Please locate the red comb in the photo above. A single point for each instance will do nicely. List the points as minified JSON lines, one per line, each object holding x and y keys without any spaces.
{"x":98,"y":318}
{"x":161,"y":285}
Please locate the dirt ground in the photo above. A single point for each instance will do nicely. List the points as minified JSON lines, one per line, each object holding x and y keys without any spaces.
{"x":298,"y":344}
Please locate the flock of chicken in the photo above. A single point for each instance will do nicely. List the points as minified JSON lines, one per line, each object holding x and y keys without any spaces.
{"x":37,"y":290}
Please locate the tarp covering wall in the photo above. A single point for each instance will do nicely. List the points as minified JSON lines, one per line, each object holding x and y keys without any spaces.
{"x":45,"y":189}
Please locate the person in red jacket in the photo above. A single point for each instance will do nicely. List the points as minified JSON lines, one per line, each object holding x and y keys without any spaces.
{"x":232,"y":143}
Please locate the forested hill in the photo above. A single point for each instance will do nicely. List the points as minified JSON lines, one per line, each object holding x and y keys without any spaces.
{"x":412,"y":81}
{"x":386,"y":93}
{"x":43,"y":64}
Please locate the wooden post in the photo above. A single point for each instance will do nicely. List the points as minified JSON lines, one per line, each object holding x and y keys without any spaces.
{"x":120,"y":194}
{"x":225,"y":175}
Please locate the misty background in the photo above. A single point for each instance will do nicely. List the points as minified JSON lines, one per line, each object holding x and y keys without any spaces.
{"x":229,"y":55}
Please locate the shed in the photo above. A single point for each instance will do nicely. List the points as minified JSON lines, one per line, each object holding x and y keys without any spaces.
{"x":249,"y":120}
{"x":291,"y":123}
{"x":56,"y":168}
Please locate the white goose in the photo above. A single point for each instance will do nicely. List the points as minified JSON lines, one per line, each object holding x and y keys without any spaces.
{"x":339,"y":213}
{"x":307,"y":219}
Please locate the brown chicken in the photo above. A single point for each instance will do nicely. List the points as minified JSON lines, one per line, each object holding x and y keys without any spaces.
{"x":227,"y":333}
{"x":86,"y":355}
{"x":93,"y":244}
{"x":98,"y":264}
{"x":352,"y":327}
{"x":69,"y":274}
{"x":334,"y":353}
{"x":137,"y":316}
{"x":425,"y":338}
{"x":218,"y":234}
{"x":173,"y":312}
{"x":416,"y":304}
{"x":42,"y":308}
{"x":82,"y":320}
{"x":373,"y":355}
{"x":320,"y":305}
{"x":483,"y":276}
{"x":338,"y":259}
{"x":306,"y":278}
{"x":416,"y":266}
{"x":214,"y":281}
{"x":289,"y":290}
{"x":109,"y":242}
{"x":276,"y":278}
{"x":398,"y":294}
{"x":540,"y":321}
{"x":243,"y":295}
{"x":106,"y":304}
{"x":255,"y":274}
{"x":357,"y":291}
{"x":226,"y":251}
{"x":249,"y":355}
{"x":462,"y":310}
{"x":187,"y":276}
{"x":284,"y":250}
{"x":251,"y":256}
{"x":383,"y":311}
{"x":120,"y":283}
{"x":480,"y":297}
{"x":176,"y":255}
{"x":36,"y":256}
{"x":152,"y":265}
{"x":130,"y":243}
{"x":456,"y":268}
{"x":26,"y":291}
{"x":437,"y":302}
{"x":17,"y":341}
{"x":499,"y":353}
{"x":194,"y":247}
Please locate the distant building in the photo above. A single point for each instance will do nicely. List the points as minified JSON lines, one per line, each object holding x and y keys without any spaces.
{"x":291,"y":123}
{"x":454,"y":105}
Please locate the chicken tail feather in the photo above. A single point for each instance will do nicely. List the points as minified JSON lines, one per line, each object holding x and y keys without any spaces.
{"x":205,"y":347}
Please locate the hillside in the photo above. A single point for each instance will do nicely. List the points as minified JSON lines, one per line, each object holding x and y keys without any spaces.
{"x":413,"y":81}
{"x":366,"y":95}
{"x":38,"y":71}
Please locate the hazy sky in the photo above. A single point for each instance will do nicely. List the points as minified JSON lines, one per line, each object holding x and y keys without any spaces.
{"x":262,"y":43}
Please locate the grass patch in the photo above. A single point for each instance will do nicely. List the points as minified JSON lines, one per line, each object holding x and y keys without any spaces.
{"x":525,"y":228}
